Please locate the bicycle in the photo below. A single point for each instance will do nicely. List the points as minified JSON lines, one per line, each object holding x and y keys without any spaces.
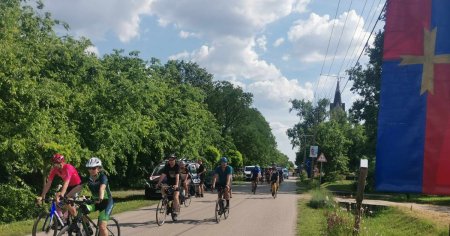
{"x":220,"y":209}
{"x":254,"y":185}
{"x":50,"y":220}
{"x":83,"y":225}
{"x":186,"y":201}
{"x":165,"y":206}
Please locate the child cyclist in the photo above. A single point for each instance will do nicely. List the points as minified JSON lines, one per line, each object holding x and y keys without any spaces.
{"x":99,"y":187}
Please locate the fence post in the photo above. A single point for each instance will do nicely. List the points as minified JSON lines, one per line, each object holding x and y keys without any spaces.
{"x":360,"y":194}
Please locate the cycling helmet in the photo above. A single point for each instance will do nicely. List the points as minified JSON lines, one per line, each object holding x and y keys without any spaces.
{"x":94,"y":162}
{"x":57,"y":158}
{"x":224,"y":160}
{"x":172,"y":156}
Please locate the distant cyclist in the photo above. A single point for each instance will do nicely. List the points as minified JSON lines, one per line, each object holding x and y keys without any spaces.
{"x":99,"y":186}
{"x":256,"y":172}
{"x":274,"y":179}
{"x":185,"y":177}
{"x":72,"y":182}
{"x":201,"y":173}
{"x":172,"y":172}
{"x":222,"y":175}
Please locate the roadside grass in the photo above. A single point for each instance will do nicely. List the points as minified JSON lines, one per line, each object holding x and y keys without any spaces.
{"x":336,"y":221}
{"x":347,"y":186}
{"x":124,"y":201}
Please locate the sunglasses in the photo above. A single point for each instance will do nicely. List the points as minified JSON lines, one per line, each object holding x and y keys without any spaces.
{"x":92,"y":168}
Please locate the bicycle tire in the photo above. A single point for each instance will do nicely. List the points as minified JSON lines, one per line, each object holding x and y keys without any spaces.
{"x":226,"y":212}
{"x":47,"y":224}
{"x":187,"y":201}
{"x":217,"y":213}
{"x":161,"y":212}
{"x":113,"y":227}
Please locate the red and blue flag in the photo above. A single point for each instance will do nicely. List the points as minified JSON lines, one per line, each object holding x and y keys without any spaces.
{"x":413,"y":146}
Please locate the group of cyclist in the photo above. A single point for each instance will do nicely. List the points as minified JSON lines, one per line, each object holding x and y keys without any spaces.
{"x":273,"y":176}
{"x":176,"y":174}
{"x":97,"y":183}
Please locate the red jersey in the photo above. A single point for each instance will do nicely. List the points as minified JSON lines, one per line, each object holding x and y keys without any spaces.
{"x":67,"y":173}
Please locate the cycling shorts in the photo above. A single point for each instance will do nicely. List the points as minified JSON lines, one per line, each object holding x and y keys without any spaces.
{"x":104,"y":207}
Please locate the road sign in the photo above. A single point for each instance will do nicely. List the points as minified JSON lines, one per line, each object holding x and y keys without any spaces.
{"x":322,"y":158}
{"x":313,"y":151}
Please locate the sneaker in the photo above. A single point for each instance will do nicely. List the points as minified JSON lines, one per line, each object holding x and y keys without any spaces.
{"x":201,"y":195}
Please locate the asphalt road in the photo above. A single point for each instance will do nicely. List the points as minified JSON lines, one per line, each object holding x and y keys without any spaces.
{"x":250,"y":214}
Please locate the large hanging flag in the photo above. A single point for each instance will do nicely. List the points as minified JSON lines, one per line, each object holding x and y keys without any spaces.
{"x":413,"y":147}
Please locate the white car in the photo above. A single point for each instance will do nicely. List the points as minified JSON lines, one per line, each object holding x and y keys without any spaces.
{"x":248,"y":172}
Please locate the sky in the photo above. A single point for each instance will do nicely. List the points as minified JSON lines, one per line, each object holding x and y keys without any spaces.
{"x":278,"y":50}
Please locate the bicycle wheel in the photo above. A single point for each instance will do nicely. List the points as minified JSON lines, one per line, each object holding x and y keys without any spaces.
{"x":45,"y":224}
{"x":187,"y":201}
{"x":161,"y":212}
{"x":113,"y":227}
{"x":226,"y":211}
{"x":218,"y":211}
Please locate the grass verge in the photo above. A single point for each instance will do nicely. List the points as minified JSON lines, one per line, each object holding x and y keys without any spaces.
{"x":124,"y":201}
{"x":334,"y":221}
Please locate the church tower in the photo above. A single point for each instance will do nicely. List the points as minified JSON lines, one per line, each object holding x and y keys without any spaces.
{"x":337,"y":103}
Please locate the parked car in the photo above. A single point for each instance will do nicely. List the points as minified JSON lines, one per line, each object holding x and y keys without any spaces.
{"x":151,"y":192}
{"x":248,"y":172}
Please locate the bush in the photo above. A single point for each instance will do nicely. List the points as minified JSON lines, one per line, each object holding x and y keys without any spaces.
{"x":339,"y":222}
{"x":16,"y":204}
{"x":321,"y":198}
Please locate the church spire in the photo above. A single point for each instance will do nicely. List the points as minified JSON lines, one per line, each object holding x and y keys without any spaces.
{"x":337,"y":102}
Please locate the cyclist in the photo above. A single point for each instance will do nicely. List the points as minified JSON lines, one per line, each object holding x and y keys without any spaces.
{"x":172,"y":171}
{"x":274,"y":178}
{"x":201,"y":173}
{"x":184,"y":177}
{"x":222,"y":175}
{"x":101,"y":194}
{"x":255,"y":175}
{"x":72,"y":182}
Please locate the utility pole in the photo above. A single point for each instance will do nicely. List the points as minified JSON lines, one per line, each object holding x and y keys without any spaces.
{"x":304,"y":151}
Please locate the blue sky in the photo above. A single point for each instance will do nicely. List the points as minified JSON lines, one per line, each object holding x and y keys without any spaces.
{"x":275,"y":49}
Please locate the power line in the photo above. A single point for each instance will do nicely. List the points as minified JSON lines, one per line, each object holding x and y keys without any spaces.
{"x":326,"y":53}
{"x":367,"y":42}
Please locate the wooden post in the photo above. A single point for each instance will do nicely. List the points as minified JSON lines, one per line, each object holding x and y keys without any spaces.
{"x":359,"y":198}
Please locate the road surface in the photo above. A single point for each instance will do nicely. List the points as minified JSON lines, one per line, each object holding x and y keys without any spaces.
{"x":250,"y":214}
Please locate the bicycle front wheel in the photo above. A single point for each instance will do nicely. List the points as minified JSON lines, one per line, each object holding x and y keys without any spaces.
{"x":218,"y":211}
{"x":44,"y":224}
{"x":161,"y":212}
{"x":187,"y":201}
{"x":226,"y":212}
{"x":113,"y":227}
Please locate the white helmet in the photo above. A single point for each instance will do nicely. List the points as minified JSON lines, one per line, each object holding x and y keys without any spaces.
{"x":94,"y":162}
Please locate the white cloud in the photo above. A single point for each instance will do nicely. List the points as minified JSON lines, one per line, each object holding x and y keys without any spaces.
{"x":95,"y":19}
{"x":262,"y":42}
{"x":93,"y":50}
{"x":278,"y":42}
{"x":184,"y":34}
{"x":310,"y":37}
{"x":286,"y":57}
{"x":240,"y":18}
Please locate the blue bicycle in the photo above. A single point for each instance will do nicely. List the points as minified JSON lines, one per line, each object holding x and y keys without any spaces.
{"x":48,"y":221}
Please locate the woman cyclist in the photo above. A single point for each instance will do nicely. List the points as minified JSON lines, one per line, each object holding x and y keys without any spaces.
{"x":72,"y":182}
{"x":99,"y":186}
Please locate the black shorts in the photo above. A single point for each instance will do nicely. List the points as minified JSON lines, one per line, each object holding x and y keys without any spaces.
{"x":202,"y":179}
{"x":70,"y":188}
